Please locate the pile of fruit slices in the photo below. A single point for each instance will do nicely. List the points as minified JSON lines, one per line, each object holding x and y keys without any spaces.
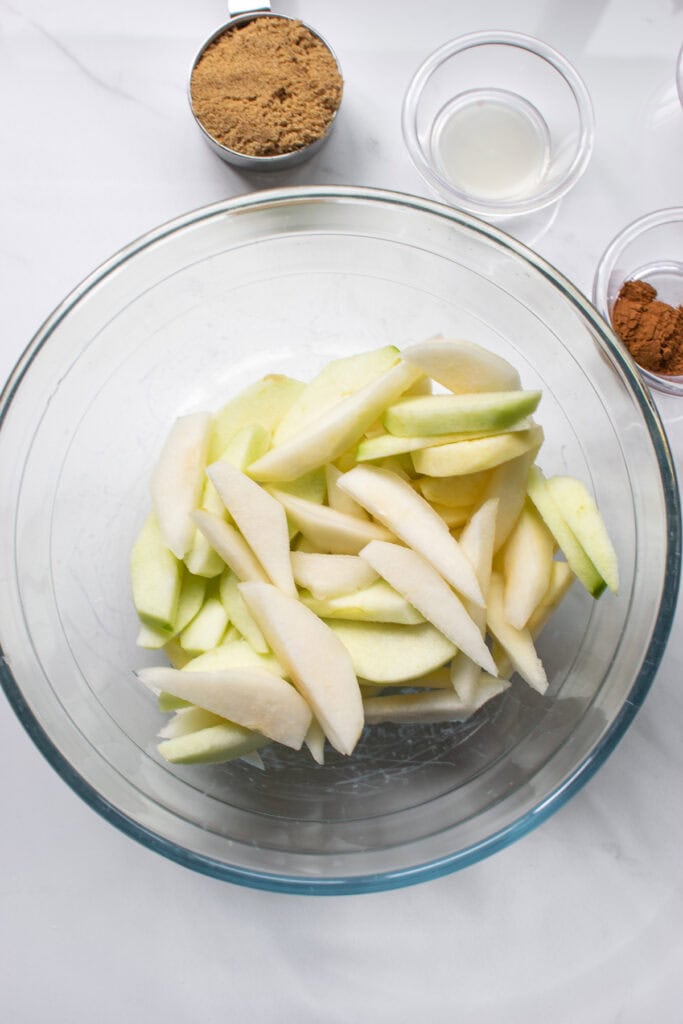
{"x":355,"y":550}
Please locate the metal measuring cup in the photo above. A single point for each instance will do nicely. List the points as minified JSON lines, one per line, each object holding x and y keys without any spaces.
{"x":241,"y":12}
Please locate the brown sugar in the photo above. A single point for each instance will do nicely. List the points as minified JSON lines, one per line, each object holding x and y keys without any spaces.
{"x":267,"y":87}
{"x":651,"y":330}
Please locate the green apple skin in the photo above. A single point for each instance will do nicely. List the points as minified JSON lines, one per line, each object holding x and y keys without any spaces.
{"x":542,"y":497}
{"x":386,"y":446}
{"x":385,"y":654}
{"x":156,"y":578}
{"x":430,"y":415}
{"x":464,"y":457}
{"x":583,"y":518}
{"x":266,"y":402}
{"x":461,"y":366}
{"x":215,"y":744}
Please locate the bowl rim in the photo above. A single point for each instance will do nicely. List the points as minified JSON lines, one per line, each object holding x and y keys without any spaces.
{"x":511,"y":207}
{"x":376,"y":881}
{"x":669,"y":385}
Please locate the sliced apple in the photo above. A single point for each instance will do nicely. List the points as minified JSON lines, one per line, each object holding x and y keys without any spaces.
{"x":387,"y":655}
{"x":543,"y":498}
{"x":517,"y":643}
{"x":327,"y":529}
{"x":249,"y":697}
{"x":417,"y":580}
{"x":412,"y":519}
{"x":461,"y":366}
{"x":583,"y":518}
{"x":230,"y":545}
{"x":527,"y":560}
{"x":316,"y":661}
{"x":508,"y":483}
{"x":416,"y":708}
{"x":266,"y":402}
{"x":216,"y":744}
{"x":383,"y":446}
{"x":238,"y":613}
{"x":335,"y":382}
{"x":315,"y":741}
{"x":450,"y":414}
{"x":156,"y":578}
{"x":234,"y":654}
{"x":188,"y":719}
{"x":338,"y":499}
{"x":261,"y":520}
{"x":476,"y":456}
{"x":333,"y":433}
{"x":331,"y":575}
{"x":178,"y":479}
{"x":379,"y":602}
{"x":456,"y":491}
{"x":452,"y":517}
{"x":206,"y":629}
{"x":311,"y":486}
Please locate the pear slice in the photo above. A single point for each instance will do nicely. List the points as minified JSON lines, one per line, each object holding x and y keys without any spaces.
{"x":327,"y":529}
{"x":206,"y":629}
{"x":331,"y":575}
{"x":583,"y":518}
{"x":235,"y":654}
{"x":508,"y":483}
{"x":332,"y":433}
{"x":238,"y":613}
{"x":517,"y":643}
{"x":379,"y":602}
{"x":315,"y":741}
{"x":461,"y":366}
{"x":416,"y":579}
{"x":230,"y":545}
{"x":188,"y":719}
{"x":456,"y":491}
{"x":543,"y":498}
{"x":386,"y":654}
{"x":261,"y":520}
{"x":338,"y":499}
{"x":216,"y":744}
{"x":156,"y":578}
{"x":178,"y":480}
{"x":475,"y":456}
{"x":527,"y":560}
{"x":266,"y":402}
{"x":250,"y":697}
{"x":315,"y":659}
{"x":311,"y":486}
{"x":450,"y":414}
{"x":336,"y":381}
{"x":416,"y":708}
{"x":412,"y":519}
{"x":383,"y":446}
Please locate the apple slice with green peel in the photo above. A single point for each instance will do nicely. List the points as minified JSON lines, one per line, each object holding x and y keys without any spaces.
{"x":178,"y":480}
{"x":451,"y":414}
{"x":192,"y":592}
{"x":207,"y":628}
{"x":383,"y":446}
{"x":416,"y":708}
{"x":266,"y":402}
{"x":334,"y":432}
{"x":239,"y":614}
{"x":517,"y":643}
{"x":230,"y":545}
{"x":583,"y":518}
{"x":151,"y":639}
{"x":387,"y":655}
{"x":338,"y":499}
{"x":543,"y":498}
{"x":475,"y":456}
{"x":188,"y":719}
{"x":261,"y":520}
{"x":311,"y":486}
{"x":461,"y":366}
{"x":420,"y":584}
{"x":330,"y":531}
{"x":527,"y":560}
{"x":315,"y":741}
{"x":508,"y":483}
{"x":412,"y":519}
{"x":456,"y":491}
{"x":235,"y":654}
{"x":335,"y":382}
{"x":156,"y":578}
{"x":214,"y":745}
{"x":476,"y":540}
{"x":379,"y":602}
{"x":315,"y":659}
{"x":331,"y":575}
{"x":248,"y":697}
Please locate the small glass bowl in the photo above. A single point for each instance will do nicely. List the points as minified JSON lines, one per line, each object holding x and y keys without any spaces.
{"x":649,"y":249}
{"x":535,"y":123}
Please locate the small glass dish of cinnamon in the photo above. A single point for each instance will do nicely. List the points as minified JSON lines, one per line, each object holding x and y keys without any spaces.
{"x":638,"y":289}
{"x":265,"y":89}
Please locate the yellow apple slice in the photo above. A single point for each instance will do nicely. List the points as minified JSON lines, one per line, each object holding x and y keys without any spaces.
{"x":475,"y":456}
{"x":455,"y":491}
{"x":461,"y":366}
{"x":316,"y":661}
{"x":382,"y":446}
{"x":178,"y":480}
{"x":385,"y":654}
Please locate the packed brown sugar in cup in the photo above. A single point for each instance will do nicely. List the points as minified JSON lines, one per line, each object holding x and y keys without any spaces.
{"x":651,"y":330}
{"x":266,"y":88}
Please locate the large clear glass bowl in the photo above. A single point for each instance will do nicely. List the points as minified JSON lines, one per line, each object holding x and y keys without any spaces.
{"x":182,"y":319}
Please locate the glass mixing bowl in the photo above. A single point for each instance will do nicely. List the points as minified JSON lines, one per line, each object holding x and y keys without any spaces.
{"x":282,"y":281}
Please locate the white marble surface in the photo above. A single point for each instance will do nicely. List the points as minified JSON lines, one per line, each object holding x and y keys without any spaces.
{"x":580,"y":921}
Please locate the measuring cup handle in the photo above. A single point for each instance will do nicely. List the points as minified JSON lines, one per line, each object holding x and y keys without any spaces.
{"x":237,"y":7}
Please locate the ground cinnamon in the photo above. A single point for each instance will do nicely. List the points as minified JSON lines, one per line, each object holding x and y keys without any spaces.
{"x":267,"y":87}
{"x":651,"y":330}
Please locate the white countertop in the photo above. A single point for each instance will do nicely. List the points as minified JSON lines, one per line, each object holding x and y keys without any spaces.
{"x":579,"y":921}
